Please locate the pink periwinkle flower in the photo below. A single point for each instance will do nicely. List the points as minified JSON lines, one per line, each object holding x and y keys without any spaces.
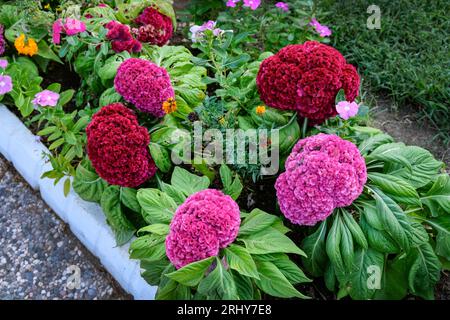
{"x":347,"y":109}
{"x":74,"y":26}
{"x":57,"y":28}
{"x":3,"y":63}
{"x":198,"y":31}
{"x":5,"y":84}
{"x":253,"y":4}
{"x":144,"y":84}
{"x":322,"y":30}
{"x":206,"y":222}
{"x":323,"y":172}
{"x":46,"y":98}
{"x":283,"y":6}
{"x":232,"y":3}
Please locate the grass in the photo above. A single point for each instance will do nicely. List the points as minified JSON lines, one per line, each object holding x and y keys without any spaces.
{"x":407,"y":59}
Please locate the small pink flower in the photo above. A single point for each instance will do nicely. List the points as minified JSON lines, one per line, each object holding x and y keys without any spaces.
{"x":347,"y":109}
{"x":74,"y":26}
{"x":3,"y":63}
{"x":102,"y":5}
{"x":57,"y":28}
{"x":253,"y":4}
{"x":283,"y":6}
{"x":322,"y":30}
{"x":5,"y":84}
{"x":45,"y":98}
{"x":232,"y":3}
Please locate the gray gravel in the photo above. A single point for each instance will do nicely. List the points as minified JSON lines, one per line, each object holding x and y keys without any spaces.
{"x":39,"y":256}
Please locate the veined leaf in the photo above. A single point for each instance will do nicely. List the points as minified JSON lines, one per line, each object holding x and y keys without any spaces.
{"x":240,"y":260}
{"x":157,"y":207}
{"x":438,"y":197}
{"x":395,"y":187}
{"x":187,"y":182}
{"x":270,"y":240}
{"x":191,"y":274}
{"x":87,"y":183}
{"x":354,"y":228}
{"x":314,"y":247}
{"x":256,"y":221}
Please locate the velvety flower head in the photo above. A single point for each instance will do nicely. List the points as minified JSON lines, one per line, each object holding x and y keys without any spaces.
{"x":283,"y":6}
{"x":323,"y":172}
{"x":45,"y":98}
{"x":155,"y":27}
{"x":206,"y":222}
{"x":122,"y":39}
{"x":322,"y":30}
{"x":232,"y":3}
{"x":2,"y":41}
{"x":74,"y":26}
{"x":144,"y":84}
{"x":118,"y":147}
{"x":253,"y":4}
{"x":5,"y":84}
{"x":347,"y":109}
{"x":306,"y":78}
{"x":3,"y":63}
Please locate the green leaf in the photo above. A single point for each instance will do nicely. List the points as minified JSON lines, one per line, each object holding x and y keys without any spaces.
{"x":161,"y":157}
{"x":390,"y":153}
{"x":291,"y":271}
{"x":396,"y":188}
{"x":65,"y":97}
{"x":340,"y":96}
{"x":191,"y":274}
{"x":150,"y":247}
{"x":270,"y":240}
{"x":438,"y":197}
{"x":379,"y":240}
{"x":176,"y":195}
{"x":45,"y":52}
{"x":273,"y":282}
{"x":256,"y":221}
{"x":240,"y":260}
{"x":187,"y":182}
{"x":87,"y":183}
{"x":157,"y":207}
{"x":346,"y":244}
{"x":128,"y":198}
{"x":231,"y":187}
{"x":66,"y":187}
{"x":374,"y":142}
{"x":354,"y":228}
{"x":122,"y":227}
{"x":244,"y":286}
{"x":394,"y":281}
{"x":218,"y":284}
{"x":333,"y":248}
{"x":314,"y":247}
{"x":157,"y":228}
{"x":153,"y":270}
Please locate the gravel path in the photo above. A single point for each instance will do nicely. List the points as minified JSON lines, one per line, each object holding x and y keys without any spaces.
{"x":39,"y":256}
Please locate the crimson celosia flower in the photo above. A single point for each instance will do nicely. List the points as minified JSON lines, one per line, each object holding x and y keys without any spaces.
{"x":118,"y":147}
{"x":306,"y":78}
{"x":121,"y":38}
{"x":144,"y":84}
{"x":155,"y":27}
{"x":206,"y":222}
{"x":323,"y":172}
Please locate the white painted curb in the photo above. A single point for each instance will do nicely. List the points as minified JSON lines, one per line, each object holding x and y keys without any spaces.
{"x":86,"y":220}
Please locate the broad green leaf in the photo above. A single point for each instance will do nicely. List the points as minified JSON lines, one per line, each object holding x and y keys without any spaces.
{"x":390,"y":153}
{"x":157,"y":228}
{"x":191,"y":274}
{"x":314,"y":247}
{"x":443,"y":245}
{"x":377,"y":239}
{"x":244,"y":286}
{"x":161,"y":157}
{"x":333,"y":249}
{"x":291,"y":271}
{"x":374,"y":142}
{"x":157,"y":206}
{"x":438,"y":197}
{"x":256,"y":221}
{"x":397,"y":188}
{"x":153,"y":270}
{"x":270,"y":240}
{"x":128,"y":198}
{"x":240,"y":260}
{"x":346,"y":244}
{"x":231,"y":187}
{"x":354,"y":228}
{"x":187,"y":182}
{"x":172,"y":192}
{"x":394,"y":281}
{"x":150,"y":247}
{"x":218,"y":284}
{"x":87,"y":184}
{"x":45,"y":52}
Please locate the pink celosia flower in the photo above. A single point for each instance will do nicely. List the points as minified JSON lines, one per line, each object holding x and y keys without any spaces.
{"x":74,"y":26}
{"x":347,"y":109}
{"x":206,"y":222}
{"x":45,"y":98}
{"x":323,"y":172}
{"x":253,"y":4}
{"x":5,"y":84}
{"x":232,"y":3}
{"x":3,"y":63}
{"x":283,"y":6}
{"x":322,"y":30}
{"x":57,"y":28}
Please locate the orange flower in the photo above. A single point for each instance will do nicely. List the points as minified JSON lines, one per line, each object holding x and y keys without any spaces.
{"x":169,"y":106}
{"x":28,"y":47}
{"x":260,"y":110}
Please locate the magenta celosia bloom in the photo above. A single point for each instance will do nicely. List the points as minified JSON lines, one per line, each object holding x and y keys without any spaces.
{"x":323,"y":172}
{"x":144,"y":84}
{"x":322,"y":30}
{"x":45,"y":98}
{"x":283,"y":6}
{"x":206,"y":222}
{"x":253,"y":4}
{"x":347,"y":109}
{"x":232,"y":3}
{"x":2,"y":41}
{"x":5,"y":84}
{"x":74,"y":26}
{"x":57,"y":28}
{"x":3,"y":63}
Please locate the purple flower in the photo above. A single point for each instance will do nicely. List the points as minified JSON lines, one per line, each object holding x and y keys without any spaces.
{"x":5,"y":84}
{"x":45,"y":98}
{"x":3,"y":63}
{"x":323,"y":31}
{"x":2,"y":40}
{"x":283,"y":6}
{"x":198,"y":31}
{"x":347,"y":109}
{"x":232,"y":3}
{"x":253,"y":4}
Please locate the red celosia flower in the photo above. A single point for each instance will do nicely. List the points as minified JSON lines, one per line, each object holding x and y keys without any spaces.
{"x":121,"y":37}
{"x":306,"y":78}
{"x":118,"y":147}
{"x":155,"y":27}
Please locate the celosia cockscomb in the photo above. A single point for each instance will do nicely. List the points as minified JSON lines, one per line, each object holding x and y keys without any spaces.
{"x":206,"y":222}
{"x":154,"y":27}
{"x":144,"y":84}
{"x":306,"y":78}
{"x":2,"y":41}
{"x":118,"y":147}
{"x":323,"y":172}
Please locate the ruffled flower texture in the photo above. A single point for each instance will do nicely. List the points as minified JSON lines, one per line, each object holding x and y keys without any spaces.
{"x":306,"y":78}
{"x":118,"y":147}
{"x":2,"y":41}
{"x":154,"y":27}
{"x":121,"y":38}
{"x":323,"y":172}
{"x":144,"y":84}
{"x":206,"y":222}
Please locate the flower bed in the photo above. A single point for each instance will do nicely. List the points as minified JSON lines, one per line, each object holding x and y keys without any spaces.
{"x":231,"y":172}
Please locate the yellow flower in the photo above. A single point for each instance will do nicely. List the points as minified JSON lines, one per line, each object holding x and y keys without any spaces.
{"x":169,"y":106}
{"x":222,"y":121}
{"x":28,"y":47}
{"x":260,"y":110}
{"x":47,"y":6}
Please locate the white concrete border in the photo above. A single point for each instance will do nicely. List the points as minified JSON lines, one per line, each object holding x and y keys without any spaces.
{"x":86,"y":220}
